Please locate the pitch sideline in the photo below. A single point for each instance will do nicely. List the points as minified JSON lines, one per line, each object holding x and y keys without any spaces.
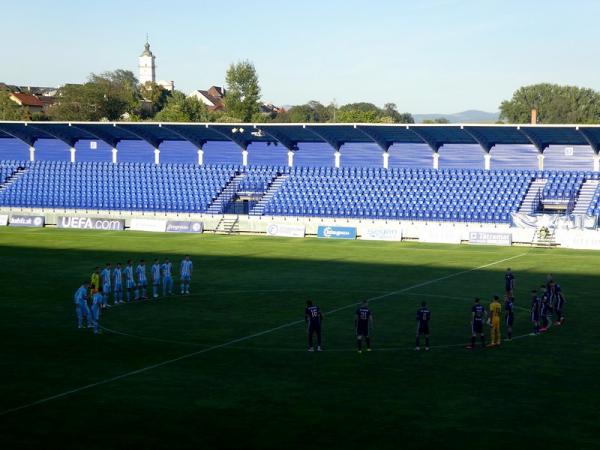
{"x":242,"y":339}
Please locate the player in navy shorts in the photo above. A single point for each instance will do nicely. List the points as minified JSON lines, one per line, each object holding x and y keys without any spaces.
{"x":544,"y":313}
{"x":509,"y":282}
{"x":535,"y":312}
{"x":313,"y":319}
{"x":423,"y":317}
{"x":478,"y":314}
{"x":509,"y":315}
{"x":546,"y":291}
{"x":363,"y":323}
{"x":559,"y":304}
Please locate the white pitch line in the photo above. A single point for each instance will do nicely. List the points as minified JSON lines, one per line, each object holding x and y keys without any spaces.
{"x":427,"y":283}
{"x":242,"y":339}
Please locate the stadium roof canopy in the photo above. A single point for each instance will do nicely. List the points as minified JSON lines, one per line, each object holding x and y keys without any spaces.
{"x":290,"y":135}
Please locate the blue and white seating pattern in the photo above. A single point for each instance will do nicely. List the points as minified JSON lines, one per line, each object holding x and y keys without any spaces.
{"x":421,"y":194}
{"x":594,"y":207}
{"x":469,"y":195}
{"x":258,"y":178}
{"x":127,"y":186}
{"x":562,"y":186}
{"x":9,"y":168}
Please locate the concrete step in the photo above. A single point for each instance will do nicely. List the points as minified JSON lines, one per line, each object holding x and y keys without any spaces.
{"x":268,"y":195}
{"x":529,"y":206}
{"x":13,"y":178}
{"x":585,"y":197}
{"x":220,"y":203}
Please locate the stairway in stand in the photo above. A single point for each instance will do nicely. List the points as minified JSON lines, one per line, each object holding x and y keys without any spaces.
{"x":227,"y":225}
{"x":586,"y":194}
{"x":268,"y":195}
{"x":530,"y":202}
{"x":220,"y":203}
{"x":13,"y":178}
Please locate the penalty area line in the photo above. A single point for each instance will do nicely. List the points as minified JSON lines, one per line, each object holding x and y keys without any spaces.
{"x":241,"y":339}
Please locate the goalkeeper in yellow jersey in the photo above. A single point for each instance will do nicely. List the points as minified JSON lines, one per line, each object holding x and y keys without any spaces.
{"x":495,"y":312}
{"x":95,"y":279}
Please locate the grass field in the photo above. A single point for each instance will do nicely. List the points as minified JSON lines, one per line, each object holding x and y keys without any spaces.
{"x":227,"y":366}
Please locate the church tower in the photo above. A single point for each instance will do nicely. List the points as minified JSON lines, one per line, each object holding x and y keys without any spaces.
{"x":146,"y":65}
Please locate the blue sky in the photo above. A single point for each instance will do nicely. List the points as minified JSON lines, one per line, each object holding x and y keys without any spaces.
{"x":428,"y":56}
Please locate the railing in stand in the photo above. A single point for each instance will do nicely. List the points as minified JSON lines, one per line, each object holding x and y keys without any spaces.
{"x":571,"y":204}
{"x":537,"y":203}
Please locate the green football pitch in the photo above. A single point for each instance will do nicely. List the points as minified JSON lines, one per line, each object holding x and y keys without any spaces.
{"x":227,"y":366}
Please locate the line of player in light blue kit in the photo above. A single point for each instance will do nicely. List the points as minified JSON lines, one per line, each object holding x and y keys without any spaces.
{"x":84,"y":311}
{"x":133,"y":282}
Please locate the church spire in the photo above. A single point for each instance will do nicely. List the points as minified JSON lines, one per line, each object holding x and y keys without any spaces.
{"x":146,"y":65}
{"x":147,"y":51}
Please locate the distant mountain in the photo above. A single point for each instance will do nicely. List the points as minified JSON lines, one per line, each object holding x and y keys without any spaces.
{"x":470,"y":116}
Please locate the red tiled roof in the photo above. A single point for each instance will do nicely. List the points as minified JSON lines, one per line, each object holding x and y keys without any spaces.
{"x":27,"y":99}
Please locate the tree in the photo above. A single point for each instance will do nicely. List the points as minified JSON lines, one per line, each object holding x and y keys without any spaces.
{"x":358,"y":113}
{"x":154,"y":98}
{"x":310,"y":112}
{"x":76,"y":102}
{"x":107,"y":96}
{"x":9,"y":110}
{"x":120,"y":93}
{"x":391,"y":110}
{"x":369,"y":113}
{"x":180,"y":108}
{"x":554,"y":104}
{"x":437,"y":120}
{"x":363,"y":112}
{"x":243,"y":91}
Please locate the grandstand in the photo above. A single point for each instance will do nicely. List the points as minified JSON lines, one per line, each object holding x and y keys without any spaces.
{"x":429,"y":203}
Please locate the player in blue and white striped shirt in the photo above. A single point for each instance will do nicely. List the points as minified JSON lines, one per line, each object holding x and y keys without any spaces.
{"x":185,"y":270}
{"x":96,"y":306}
{"x":105,"y":280}
{"x":140,"y":271}
{"x":81,"y":307}
{"x":155,"y":278}
{"x":129,"y":280}
{"x":118,"y":284}
{"x":167,"y":279}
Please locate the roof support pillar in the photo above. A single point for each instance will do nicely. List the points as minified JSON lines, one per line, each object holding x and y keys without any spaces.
{"x":114,"y":155}
{"x":245,"y":157}
{"x":596,"y":158}
{"x":156,"y":156}
{"x":433,"y":144}
{"x":589,"y":139}
{"x":436,"y":160}
{"x":31,"y":153}
{"x":487,"y":160}
{"x":316,"y":130}
{"x":98,"y":134}
{"x":278,"y":136}
{"x":386,"y":160}
{"x":73,"y":151}
{"x":371,"y":133}
{"x":477,"y":137}
{"x":338,"y":158}
{"x":540,"y":161}
{"x":200,"y":156}
{"x":290,"y":158}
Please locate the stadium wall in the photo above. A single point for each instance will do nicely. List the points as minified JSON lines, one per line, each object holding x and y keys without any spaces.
{"x":421,"y":231}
